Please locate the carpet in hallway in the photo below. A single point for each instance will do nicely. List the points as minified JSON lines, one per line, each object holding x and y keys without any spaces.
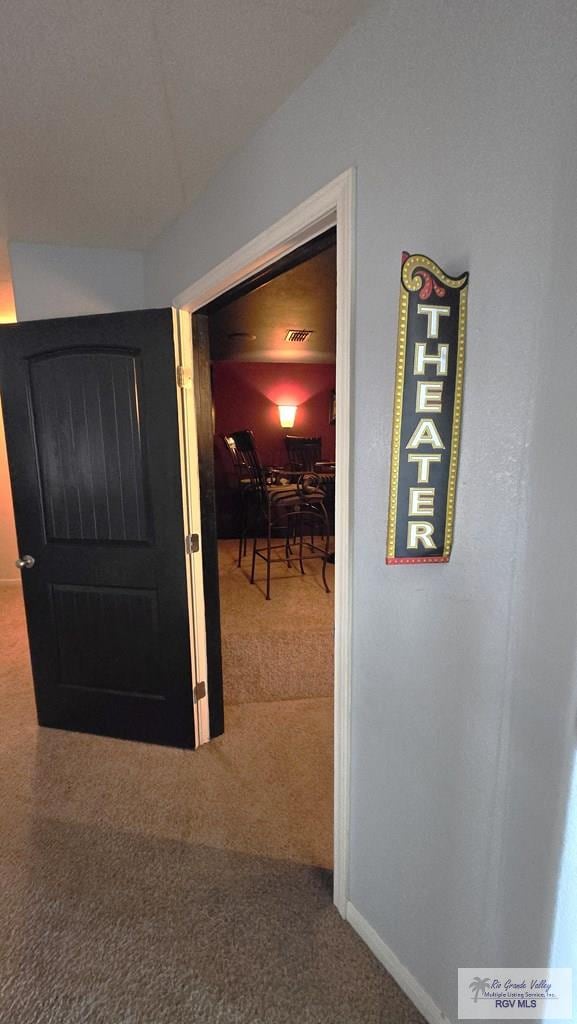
{"x":102,"y":926}
{"x":263,"y":787}
{"x":146,"y":885}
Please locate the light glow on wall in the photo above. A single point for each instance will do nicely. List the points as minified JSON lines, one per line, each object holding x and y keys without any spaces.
{"x":7,"y":308}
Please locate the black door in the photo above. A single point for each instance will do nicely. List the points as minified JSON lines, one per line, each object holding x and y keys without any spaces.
{"x":91,"y":424}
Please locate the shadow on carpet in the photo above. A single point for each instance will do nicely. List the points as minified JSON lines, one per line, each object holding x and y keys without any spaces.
{"x":101,"y":925}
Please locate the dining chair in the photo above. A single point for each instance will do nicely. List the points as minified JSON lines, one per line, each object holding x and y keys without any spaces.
{"x":295,"y":509}
{"x":244,"y":485}
{"x":303,"y":452}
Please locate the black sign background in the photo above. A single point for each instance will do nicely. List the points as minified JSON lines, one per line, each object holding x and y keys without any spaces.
{"x":427,"y":285}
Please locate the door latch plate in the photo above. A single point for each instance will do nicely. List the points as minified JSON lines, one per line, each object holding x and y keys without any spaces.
{"x":192,"y":543}
{"x":184,"y":376}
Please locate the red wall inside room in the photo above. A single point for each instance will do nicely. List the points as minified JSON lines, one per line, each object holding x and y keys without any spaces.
{"x":246,"y":395}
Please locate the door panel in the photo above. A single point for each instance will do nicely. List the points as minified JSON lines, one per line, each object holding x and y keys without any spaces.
{"x":91,"y":424}
{"x":107,"y":617}
{"x":85,"y":409}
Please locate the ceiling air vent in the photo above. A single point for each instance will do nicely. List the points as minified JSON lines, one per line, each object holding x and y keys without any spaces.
{"x":299,"y":336}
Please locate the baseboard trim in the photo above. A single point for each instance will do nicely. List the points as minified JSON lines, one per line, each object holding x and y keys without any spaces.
{"x":403,"y":977}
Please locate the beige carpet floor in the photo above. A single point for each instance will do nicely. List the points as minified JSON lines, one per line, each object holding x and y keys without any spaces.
{"x":280,"y":649}
{"x":143,"y":885}
{"x":264,"y":787}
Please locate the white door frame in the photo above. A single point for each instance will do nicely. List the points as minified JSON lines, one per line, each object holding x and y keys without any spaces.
{"x":332,"y":205}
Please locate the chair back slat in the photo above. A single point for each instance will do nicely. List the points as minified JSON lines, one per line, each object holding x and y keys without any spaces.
{"x":247,"y":459}
{"x":303,"y":452}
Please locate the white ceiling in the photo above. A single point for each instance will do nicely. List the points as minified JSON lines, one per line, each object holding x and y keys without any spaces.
{"x":114,"y":114}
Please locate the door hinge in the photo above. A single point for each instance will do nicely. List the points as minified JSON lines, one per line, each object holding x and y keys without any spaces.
{"x":192,"y":543}
{"x":200,"y":691}
{"x":184,"y":376}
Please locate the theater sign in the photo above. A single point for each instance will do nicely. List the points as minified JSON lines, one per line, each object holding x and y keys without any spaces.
{"x":427,"y":412}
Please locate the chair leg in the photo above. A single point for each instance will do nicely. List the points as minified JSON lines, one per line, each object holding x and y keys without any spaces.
{"x":301,"y":543}
{"x":241,"y":528}
{"x":268,"y":556}
{"x":287,"y":546}
{"x":327,"y":541}
{"x":253,"y":556}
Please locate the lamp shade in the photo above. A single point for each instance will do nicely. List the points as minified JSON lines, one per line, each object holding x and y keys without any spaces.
{"x":287,"y":415}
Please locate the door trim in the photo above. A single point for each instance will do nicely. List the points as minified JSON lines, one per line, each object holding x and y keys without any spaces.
{"x":190,"y":484}
{"x":332,"y":205}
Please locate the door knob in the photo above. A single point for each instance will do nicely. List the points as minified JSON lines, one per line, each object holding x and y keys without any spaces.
{"x":24,"y":563}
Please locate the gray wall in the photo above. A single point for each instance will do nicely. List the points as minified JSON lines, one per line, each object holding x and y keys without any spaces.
{"x":59,"y":280}
{"x":459,"y":119}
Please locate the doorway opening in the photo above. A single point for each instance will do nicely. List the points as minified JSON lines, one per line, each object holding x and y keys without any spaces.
{"x":271,"y":348}
{"x":332,"y":206}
